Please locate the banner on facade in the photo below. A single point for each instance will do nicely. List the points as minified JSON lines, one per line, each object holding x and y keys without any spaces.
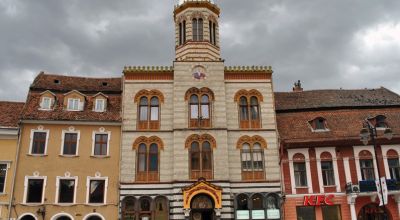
{"x":273,"y":214}
{"x":384,"y":190}
{"x":242,"y":214}
{"x":378,"y":190}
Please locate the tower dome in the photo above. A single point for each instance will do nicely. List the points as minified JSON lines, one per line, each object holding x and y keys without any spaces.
{"x":197,"y":31}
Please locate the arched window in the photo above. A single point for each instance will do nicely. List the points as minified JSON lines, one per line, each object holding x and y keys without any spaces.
{"x":249,"y":108}
{"x":252,"y":162}
{"x":149,"y":109}
{"x":197,"y":25}
{"x":148,"y":162}
{"x":28,"y":217}
{"x":394,"y":164}
{"x":145,"y":208}
{"x":300,"y":172}
{"x":200,"y":156}
{"x":257,"y":201}
{"x":128,"y":208}
{"x":94,"y":217}
{"x":63,"y":218}
{"x":182,"y":32}
{"x":212,"y":29}
{"x":252,"y":157}
{"x":366,"y":165}
{"x":161,"y":209}
{"x":328,"y":176}
{"x":199,"y":107}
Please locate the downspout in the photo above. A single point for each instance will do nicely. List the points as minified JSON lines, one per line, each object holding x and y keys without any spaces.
{"x":15,"y":171}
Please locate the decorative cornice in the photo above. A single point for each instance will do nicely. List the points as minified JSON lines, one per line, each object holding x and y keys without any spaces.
{"x":128,"y":69}
{"x":248,"y":69}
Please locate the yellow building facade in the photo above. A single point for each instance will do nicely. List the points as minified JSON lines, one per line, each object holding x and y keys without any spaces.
{"x":68,"y":161}
{"x":8,"y":148}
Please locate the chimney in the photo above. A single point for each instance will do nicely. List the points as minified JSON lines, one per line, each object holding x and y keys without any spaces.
{"x":297,"y":87}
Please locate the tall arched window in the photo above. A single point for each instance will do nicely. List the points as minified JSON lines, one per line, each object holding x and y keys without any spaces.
{"x":252,"y":157}
{"x":161,"y":209}
{"x":199,"y":107}
{"x":212,"y":29}
{"x":366,"y":165}
{"x":182,"y":32}
{"x":147,"y":159}
{"x":128,"y":208}
{"x":393,"y":164}
{"x":200,"y":156}
{"x":145,"y":208}
{"x":197,"y":26}
{"x":149,"y":109}
{"x":249,"y":108}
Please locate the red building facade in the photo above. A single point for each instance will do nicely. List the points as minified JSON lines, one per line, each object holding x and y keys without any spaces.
{"x":328,"y":173}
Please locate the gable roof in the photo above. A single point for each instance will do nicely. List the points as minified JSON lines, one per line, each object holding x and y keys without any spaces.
{"x":62,"y":83}
{"x":10,"y":113}
{"x":339,"y":98}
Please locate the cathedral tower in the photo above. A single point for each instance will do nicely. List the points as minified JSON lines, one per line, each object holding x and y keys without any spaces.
{"x":196,"y":31}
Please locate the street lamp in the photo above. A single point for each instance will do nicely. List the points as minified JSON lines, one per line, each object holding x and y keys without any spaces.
{"x":367,"y":133}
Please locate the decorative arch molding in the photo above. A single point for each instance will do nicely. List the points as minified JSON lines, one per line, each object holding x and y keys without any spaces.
{"x":148,"y":141}
{"x":149,"y":94}
{"x":251,"y":141}
{"x":94,"y":215}
{"x":200,"y":138}
{"x":199,"y":92}
{"x":62,"y":215}
{"x":202,"y":187}
{"x":27,"y":214}
{"x":248,"y":95}
{"x":213,"y":19}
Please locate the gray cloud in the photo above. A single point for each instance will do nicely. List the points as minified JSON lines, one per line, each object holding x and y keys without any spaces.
{"x":326,"y":44}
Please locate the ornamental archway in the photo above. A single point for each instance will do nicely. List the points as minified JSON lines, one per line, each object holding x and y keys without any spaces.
{"x":200,"y":196}
{"x":373,"y":212}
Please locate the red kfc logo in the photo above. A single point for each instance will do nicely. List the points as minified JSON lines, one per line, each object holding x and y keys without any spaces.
{"x":318,"y":200}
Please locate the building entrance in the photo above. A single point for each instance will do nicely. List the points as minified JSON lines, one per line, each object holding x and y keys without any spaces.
{"x":373,"y":212}
{"x":202,"y":208}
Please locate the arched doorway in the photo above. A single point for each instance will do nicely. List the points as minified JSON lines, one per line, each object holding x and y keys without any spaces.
{"x":202,"y":208}
{"x":373,"y":212}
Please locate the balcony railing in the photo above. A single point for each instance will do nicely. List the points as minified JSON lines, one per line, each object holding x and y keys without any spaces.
{"x":369,"y":185}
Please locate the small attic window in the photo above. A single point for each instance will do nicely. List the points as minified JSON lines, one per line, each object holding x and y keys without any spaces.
{"x":381,"y":121}
{"x":104,"y":84}
{"x":319,"y":124}
{"x":56,"y":81}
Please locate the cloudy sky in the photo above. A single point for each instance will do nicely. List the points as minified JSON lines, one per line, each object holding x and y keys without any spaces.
{"x":324,"y":43}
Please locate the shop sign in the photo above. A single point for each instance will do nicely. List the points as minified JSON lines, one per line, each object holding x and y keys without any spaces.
{"x":318,"y":200}
{"x":242,"y":214}
{"x":258,"y":214}
{"x":273,"y":214}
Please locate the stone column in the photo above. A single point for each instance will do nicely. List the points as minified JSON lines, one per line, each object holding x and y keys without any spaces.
{"x":218,"y":213}
{"x":187,"y":213}
{"x":351,"y":200}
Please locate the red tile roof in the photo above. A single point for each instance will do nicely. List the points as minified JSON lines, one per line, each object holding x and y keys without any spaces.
{"x":62,"y":83}
{"x":10,"y":113}
{"x":343,"y":110}
{"x":87,"y":86}
{"x":317,"y":99}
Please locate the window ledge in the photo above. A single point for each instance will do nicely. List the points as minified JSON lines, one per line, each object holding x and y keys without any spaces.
{"x":96,"y":204}
{"x":37,"y":155}
{"x":320,"y":130}
{"x":3,"y":194}
{"x":32,"y":204}
{"x":45,"y":109}
{"x":301,"y":187}
{"x":100,"y":156}
{"x":64,"y":204}
{"x":330,"y":186}
{"x":68,"y":156}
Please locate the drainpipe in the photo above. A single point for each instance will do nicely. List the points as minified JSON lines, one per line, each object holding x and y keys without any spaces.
{"x":15,"y":171}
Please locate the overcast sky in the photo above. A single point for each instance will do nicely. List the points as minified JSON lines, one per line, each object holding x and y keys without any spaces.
{"x":324,"y":43}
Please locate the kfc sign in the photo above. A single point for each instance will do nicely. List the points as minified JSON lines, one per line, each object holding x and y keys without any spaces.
{"x":318,"y":200}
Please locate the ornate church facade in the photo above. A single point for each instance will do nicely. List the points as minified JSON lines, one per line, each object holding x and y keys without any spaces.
{"x":199,"y":139}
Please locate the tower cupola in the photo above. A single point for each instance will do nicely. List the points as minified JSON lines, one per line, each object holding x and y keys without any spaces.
{"x":197,"y":31}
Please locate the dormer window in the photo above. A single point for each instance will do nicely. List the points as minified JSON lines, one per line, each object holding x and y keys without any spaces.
{"x":99,"y":105}
{"x":380,"y":121}
{"x":319,"y":124}
{"x":73,"y":104}
{"x":46,"y":103}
